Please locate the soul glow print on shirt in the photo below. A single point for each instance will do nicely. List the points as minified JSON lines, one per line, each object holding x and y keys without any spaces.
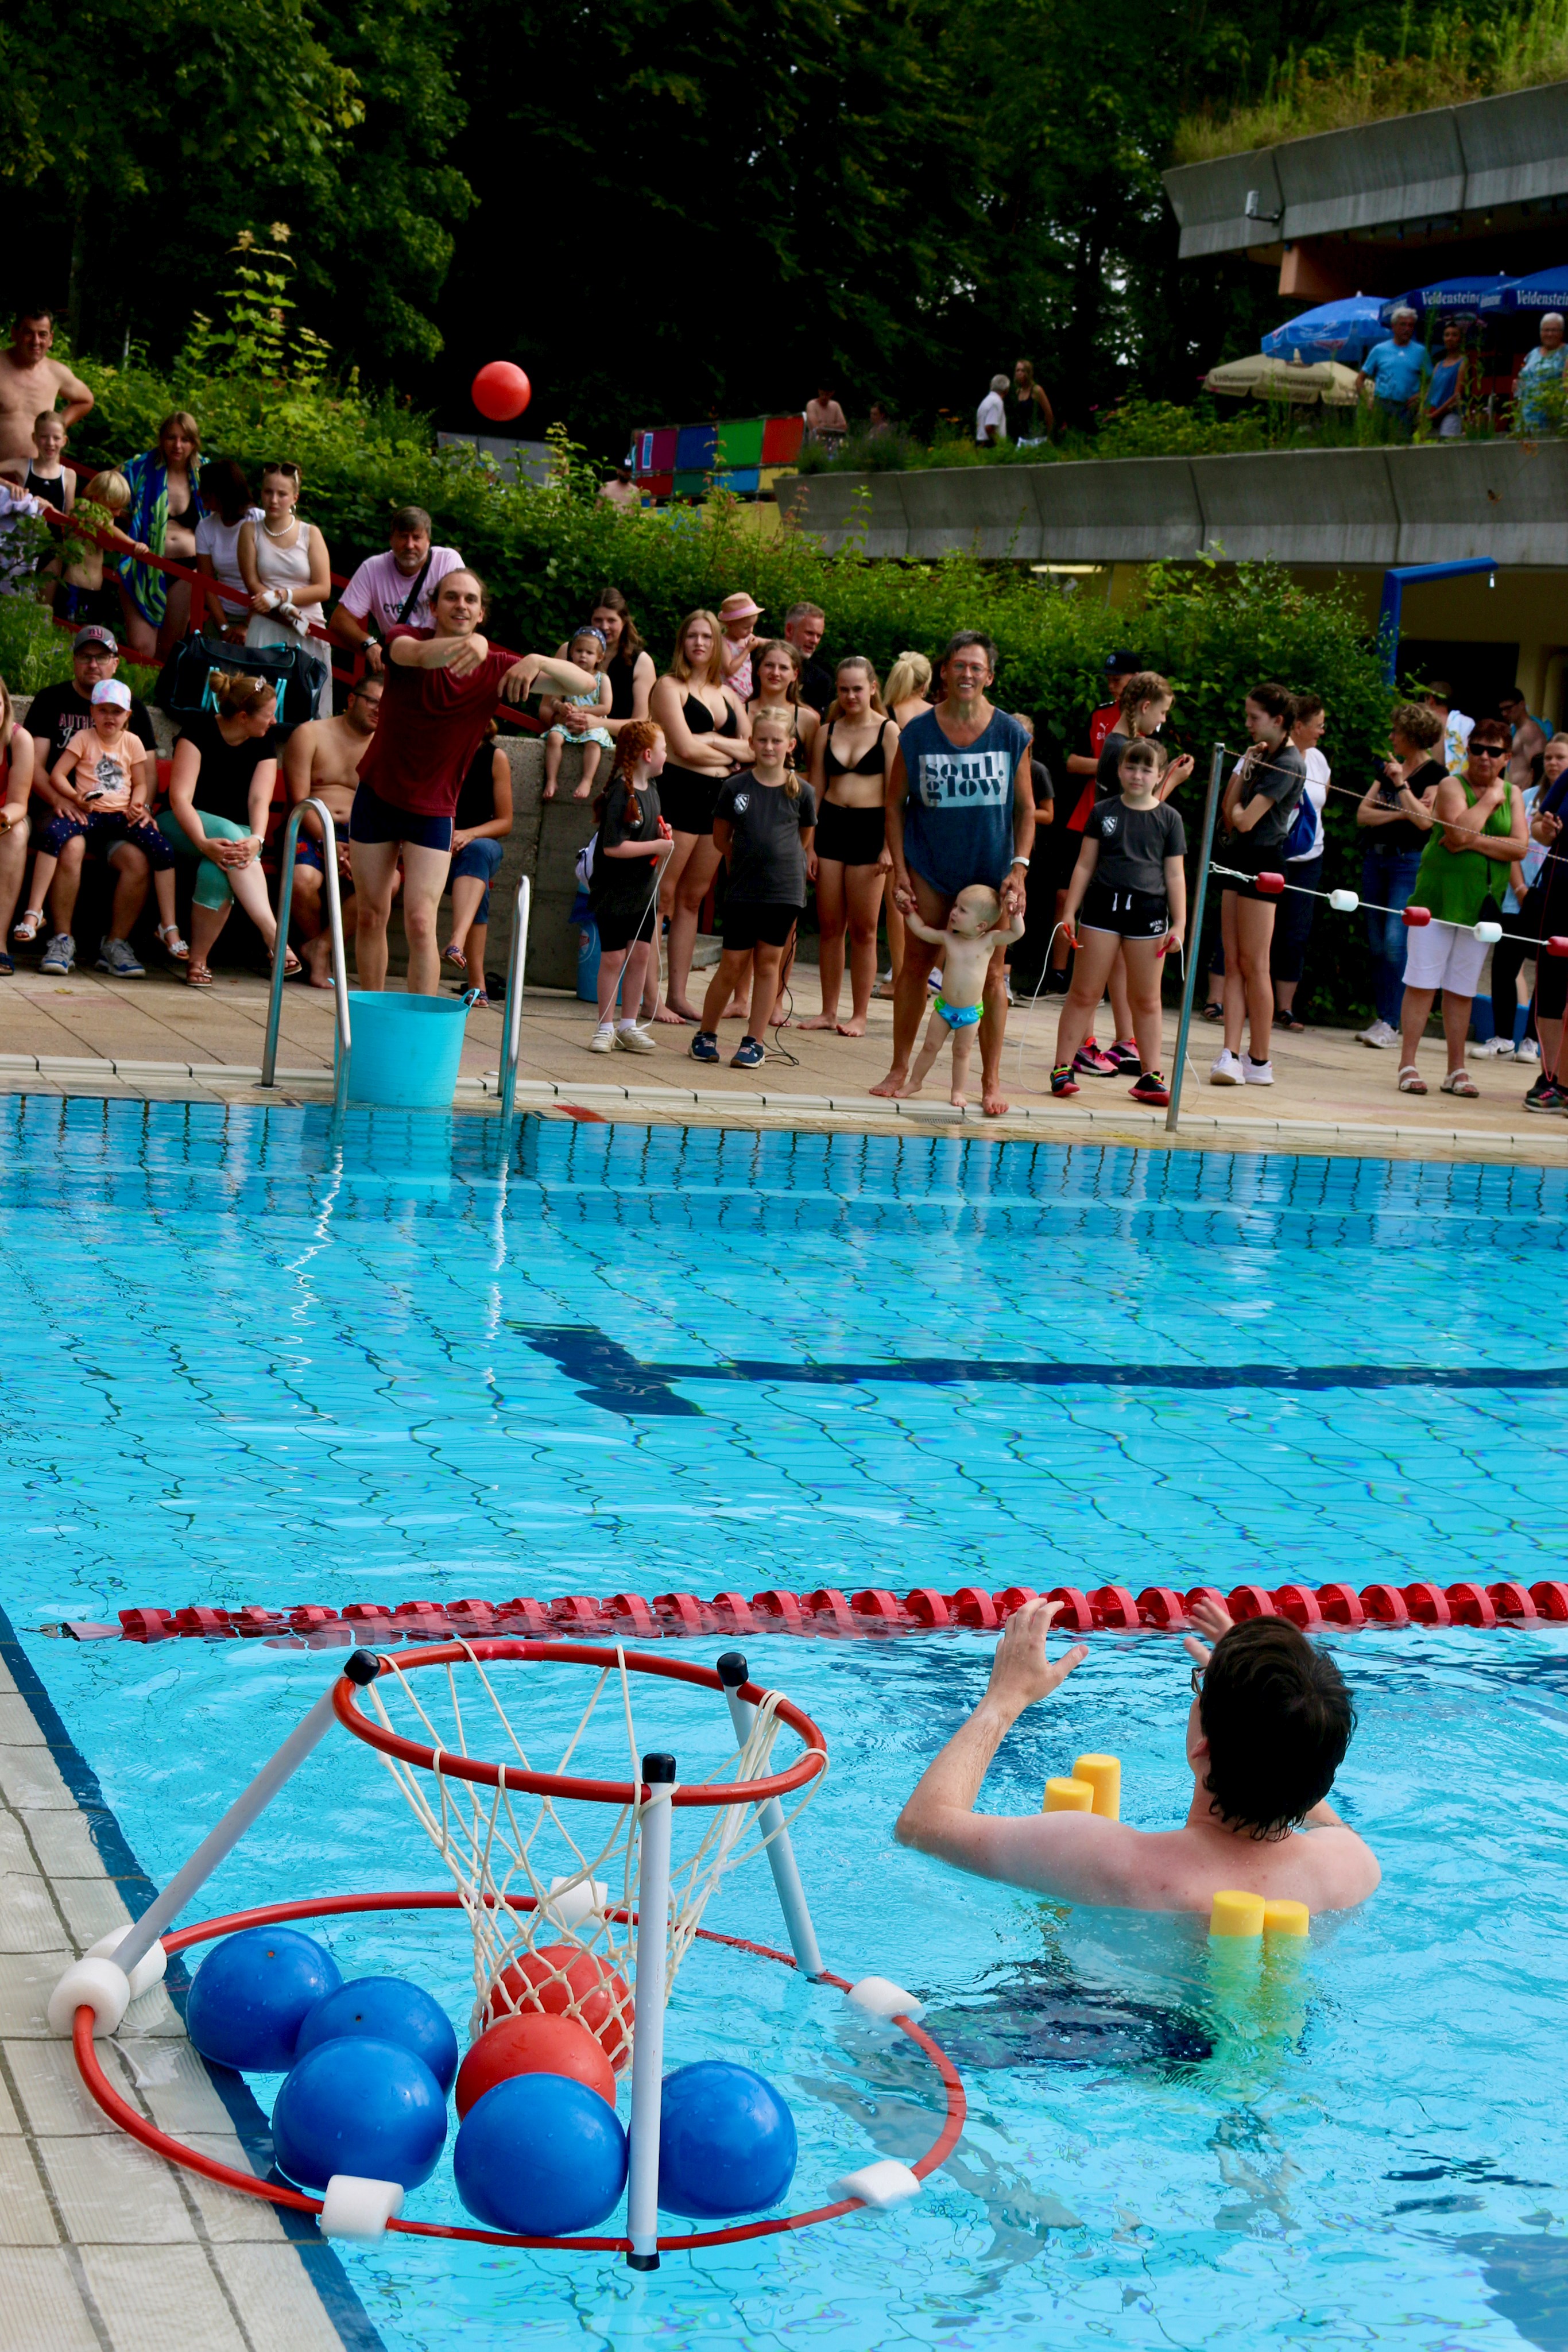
{"x":965,"y":779}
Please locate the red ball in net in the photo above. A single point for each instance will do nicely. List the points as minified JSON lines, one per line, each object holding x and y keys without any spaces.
{"x":562,"y":1978}
{"x":534,"y":2042}
{"x":501,"y":392}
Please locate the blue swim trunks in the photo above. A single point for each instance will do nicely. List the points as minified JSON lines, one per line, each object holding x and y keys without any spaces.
{"x":958,"y":1016}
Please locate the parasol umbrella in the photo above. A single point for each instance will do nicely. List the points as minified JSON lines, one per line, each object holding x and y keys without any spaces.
{"x":1547,"y":291}
{"x":1259,"y":378}
{"x":1344,"y":330}
{"x":1448,"y":298}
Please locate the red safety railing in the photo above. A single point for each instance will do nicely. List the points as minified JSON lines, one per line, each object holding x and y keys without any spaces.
{"x":204,"y":592}
{"x":676,"y":1616}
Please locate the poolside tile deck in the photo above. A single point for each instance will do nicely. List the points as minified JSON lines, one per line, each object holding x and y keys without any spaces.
{"x":103,"y":2246}
{"x":154,"y":1040}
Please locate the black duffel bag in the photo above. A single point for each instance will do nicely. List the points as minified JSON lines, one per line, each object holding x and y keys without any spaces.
{"x":185,"y":684}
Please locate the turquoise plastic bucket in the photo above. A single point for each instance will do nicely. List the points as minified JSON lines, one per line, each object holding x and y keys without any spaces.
{"x":406,"y":1049}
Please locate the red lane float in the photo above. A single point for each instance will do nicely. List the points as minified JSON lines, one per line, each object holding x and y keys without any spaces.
{"x":874,"y":1613}
{"x":137,"y":2126}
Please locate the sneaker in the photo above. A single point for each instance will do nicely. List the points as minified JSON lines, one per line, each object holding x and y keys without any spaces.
{"x":629,"y":1039}
{"x":60,"y":955}
{"x":1057,"y":983}
{"x":1486,"y":1047}
{"x":1256,"y":1074}
{"x":1150,"y":1087}
{"x":602,"y":1040}
{"x":704,"y":1047}
{"x":1090,"y":1062}
{"x":1378,"y":1033}
{"x":749,"y":1055}
{"x":1225,"y":1070}
{"x":1527,"y":1050}
{"x":116,"y":956}
{"x":1545,"y":1095}
{"x":1063,"y":1081}
{"x":1125,"y":1055}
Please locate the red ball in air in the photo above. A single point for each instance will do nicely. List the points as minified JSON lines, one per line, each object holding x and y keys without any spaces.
{"x":501,"y":392}
{"x":559,"y":1976}
{"x":534,"y":2044}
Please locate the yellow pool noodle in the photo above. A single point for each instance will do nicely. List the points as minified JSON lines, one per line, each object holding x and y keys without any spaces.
{"x":1066,"y":1796}
{"x":1104,"y":1774}
{"x":1284,"y":1916}
{"x":1234,"y":1914}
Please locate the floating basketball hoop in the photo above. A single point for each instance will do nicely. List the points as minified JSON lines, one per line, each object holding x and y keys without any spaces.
{"x":560,"y":1904}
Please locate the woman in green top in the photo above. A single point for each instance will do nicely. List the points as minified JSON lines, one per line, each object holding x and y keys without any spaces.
{"x":1479,"y":831}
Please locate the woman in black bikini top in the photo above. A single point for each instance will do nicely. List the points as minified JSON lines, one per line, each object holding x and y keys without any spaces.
{"x":851,"y":849}
{"x":705,"y":747}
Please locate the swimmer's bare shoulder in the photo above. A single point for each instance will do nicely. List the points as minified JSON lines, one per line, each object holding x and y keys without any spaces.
{"x":1084,"y":1859}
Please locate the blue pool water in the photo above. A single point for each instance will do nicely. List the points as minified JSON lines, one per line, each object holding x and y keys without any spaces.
{"x":245,"y":1363}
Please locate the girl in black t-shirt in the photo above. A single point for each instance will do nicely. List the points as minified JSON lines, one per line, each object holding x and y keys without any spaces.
{"x":226,"y":765}
{"x":763,"y":825}
{"x":1131,"y":886}
{"x":629,"y":851}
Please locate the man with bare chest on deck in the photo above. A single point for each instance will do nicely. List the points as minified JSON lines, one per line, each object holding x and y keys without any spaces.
{"x":321,"y":761}
{"x":31,"y":382}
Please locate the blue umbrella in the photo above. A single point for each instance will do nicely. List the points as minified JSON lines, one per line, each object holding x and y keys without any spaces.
{"x":1344,"y":330}
{"x":1447,"y":296}
{"x":1547,"y":291}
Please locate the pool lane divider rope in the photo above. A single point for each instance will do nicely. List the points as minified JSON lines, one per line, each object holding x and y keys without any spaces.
{"x":830,"y":1613}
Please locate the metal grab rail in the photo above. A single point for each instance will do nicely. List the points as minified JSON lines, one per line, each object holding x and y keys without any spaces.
{"x":335,"y":927}
{"x":1195,"y":934}
{"x":512,"y":1031}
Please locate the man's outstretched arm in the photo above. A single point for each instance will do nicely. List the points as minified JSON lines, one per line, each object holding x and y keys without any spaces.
{"x":1071,"y":1854}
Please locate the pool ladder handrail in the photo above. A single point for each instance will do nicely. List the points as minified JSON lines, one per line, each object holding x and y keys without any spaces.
{"x":335,"y":927}
{"x":512,"y":1027}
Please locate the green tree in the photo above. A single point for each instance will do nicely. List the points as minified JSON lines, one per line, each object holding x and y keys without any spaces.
{"x":136,"y":140}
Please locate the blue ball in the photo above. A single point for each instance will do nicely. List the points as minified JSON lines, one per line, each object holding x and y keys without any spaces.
{"x":252,"y":1994}
{"x":359,"y":2105}
{"x":388,"y":2009}
{"x":541,"y":2155}
{"x":727,"y":2142}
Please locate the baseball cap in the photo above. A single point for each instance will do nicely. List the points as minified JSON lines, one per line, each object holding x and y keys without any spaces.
{"x":108,"y":690}
{"x":1122,"y":659}
{"x":95,"y":633}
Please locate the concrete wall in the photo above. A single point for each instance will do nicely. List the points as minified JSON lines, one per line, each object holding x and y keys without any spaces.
{"x":1453,"y":159}
{"x":1352,"y":507}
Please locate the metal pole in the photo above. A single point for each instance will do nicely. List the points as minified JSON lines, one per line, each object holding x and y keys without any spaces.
{"x":512,"y":1035}
{"x":1195,"y":933}
{"x":780,"y":1853}
{"x":335,"y":927}
{"x":362,"y":1667}
{"x":648,"y":2046}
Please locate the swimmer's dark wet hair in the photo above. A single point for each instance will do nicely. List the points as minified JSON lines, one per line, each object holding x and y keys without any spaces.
{"x":1278,"y":1719}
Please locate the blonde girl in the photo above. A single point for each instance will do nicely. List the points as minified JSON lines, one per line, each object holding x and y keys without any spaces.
{"x":763,"y":824}
{"x":708,"y":737}
{"x":587,"y":648}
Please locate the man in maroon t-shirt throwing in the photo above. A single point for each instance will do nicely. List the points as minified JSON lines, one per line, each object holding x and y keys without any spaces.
{"x":441,"y":688}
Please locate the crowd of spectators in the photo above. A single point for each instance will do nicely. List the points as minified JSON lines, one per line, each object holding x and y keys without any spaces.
{"x":751,"y":769}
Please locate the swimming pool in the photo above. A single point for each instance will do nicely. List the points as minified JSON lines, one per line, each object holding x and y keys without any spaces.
{"x":247,"y":1365}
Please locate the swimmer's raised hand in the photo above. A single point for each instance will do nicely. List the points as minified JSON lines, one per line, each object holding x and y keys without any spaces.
{"x":1022,"y":1673}
{"x":1212,"y":1618}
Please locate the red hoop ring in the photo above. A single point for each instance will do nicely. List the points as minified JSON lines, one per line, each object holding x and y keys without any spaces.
{"x":137,"y":2126}
{"x":345,"y":1702}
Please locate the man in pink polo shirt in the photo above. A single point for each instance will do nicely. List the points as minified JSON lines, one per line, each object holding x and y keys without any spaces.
{"x":394,"y":590}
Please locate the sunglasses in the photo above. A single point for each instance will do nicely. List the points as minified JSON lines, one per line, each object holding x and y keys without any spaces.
{"x":1489,"y":751}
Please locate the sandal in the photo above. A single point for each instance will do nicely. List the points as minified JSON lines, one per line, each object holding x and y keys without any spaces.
{"x":292,"y":966}
{"x":1459,"y":1082}
{"x":1297,"y":1028}
{"x":27,"y":931}
{"x":197,"y":973}
{"x":1411,"y":1081}
{"x":173,"y":945}
{"x":455,"y":958}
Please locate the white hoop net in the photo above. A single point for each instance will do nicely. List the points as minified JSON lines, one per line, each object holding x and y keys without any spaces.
{"x":569,"y":1954}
